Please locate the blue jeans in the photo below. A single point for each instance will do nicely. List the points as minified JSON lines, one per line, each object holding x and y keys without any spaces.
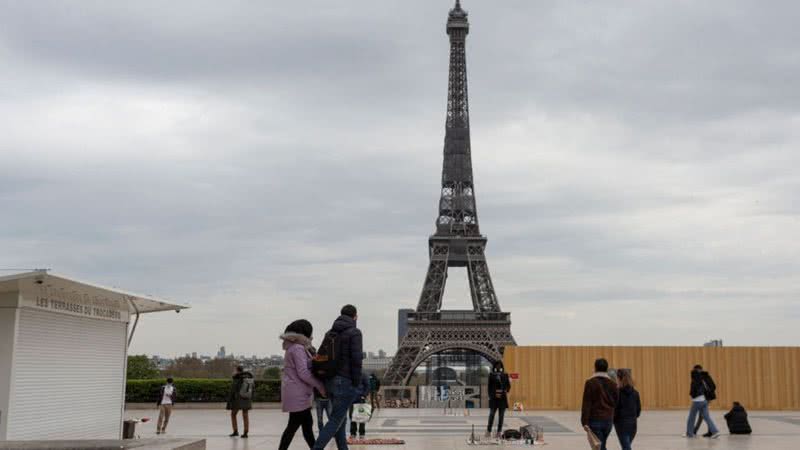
{"x":702,"y":408}
{"x":601,"y":429}
{"x":341,"y":393}
{"x":320,"y":405}
{"x":626,"y":431}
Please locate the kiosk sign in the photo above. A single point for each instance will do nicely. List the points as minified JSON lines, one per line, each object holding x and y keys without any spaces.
{"x":77,"y":304}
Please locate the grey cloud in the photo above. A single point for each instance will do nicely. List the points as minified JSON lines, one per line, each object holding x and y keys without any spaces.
{"x":267,"y":161}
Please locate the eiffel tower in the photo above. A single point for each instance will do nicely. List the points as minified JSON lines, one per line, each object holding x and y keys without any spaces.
{"x":457,"y":242}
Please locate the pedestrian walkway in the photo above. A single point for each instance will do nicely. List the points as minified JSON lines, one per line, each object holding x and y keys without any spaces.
{"x":431,"y":429}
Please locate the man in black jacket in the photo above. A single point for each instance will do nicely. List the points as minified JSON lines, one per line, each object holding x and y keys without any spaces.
{"x":711,"y":395}
{"x":343,"y":388}
{"x":701,"y":392}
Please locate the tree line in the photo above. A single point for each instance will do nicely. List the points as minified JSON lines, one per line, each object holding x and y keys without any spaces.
{"x":140,"y":367}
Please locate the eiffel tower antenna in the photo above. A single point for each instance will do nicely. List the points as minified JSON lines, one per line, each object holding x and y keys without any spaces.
{"x":457,"y":242}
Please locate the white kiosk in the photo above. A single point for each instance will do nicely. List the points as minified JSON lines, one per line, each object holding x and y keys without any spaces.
{"x":63,"y":355}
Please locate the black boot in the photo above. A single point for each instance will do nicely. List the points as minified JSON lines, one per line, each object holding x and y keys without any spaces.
{"x":234,"y":434}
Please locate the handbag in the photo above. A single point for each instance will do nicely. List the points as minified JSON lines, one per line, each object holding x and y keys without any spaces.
{"x":362,"y":413}
{"x":594,"y":441}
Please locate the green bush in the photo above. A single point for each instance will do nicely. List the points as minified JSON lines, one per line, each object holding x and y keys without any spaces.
{"x":199,"y":390}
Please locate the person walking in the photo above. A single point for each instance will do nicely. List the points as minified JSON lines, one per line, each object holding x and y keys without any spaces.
{"x":499,"y":387}
{"x":167,"y":397}
{"x":359,"y":429}
{"x":698,"y":391}
{"x":600,"y":398}
{"x":322,"y":404}
{"x":711,"y":394}
{"x":737,"y":421}
{"x":629,"y":407}
{"x":374,"y":388}
{"x":241,"y":399}
{"x":297,"y":382}
{"x":341,"y":388}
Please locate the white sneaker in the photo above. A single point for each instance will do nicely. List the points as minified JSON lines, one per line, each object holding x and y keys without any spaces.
{"x":715,"y":435}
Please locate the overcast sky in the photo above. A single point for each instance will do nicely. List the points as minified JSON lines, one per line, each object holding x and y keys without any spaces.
{"x":636,"y":163}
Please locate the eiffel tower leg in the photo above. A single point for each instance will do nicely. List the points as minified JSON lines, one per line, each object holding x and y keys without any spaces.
{"x":430,"y":300}
{"x":405,"y":361}
{"x":484,"y":298}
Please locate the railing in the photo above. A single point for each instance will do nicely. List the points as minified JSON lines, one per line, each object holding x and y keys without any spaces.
{"x":461,"y":316}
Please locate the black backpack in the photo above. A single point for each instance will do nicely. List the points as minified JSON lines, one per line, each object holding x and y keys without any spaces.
{"x":709,"y":387}
{"x":326,"y":362}
{"x":512,"y":435}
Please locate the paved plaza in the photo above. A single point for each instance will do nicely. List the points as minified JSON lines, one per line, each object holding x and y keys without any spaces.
{"x":431,"y":429}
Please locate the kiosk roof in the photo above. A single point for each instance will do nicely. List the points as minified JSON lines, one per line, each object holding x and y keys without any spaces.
{"x":136,"y":302}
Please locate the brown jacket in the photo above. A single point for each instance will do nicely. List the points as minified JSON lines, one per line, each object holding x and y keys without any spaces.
{"x":600,"y":397}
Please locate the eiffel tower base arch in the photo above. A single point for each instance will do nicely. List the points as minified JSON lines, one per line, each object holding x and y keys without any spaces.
{"x":429,"y":336}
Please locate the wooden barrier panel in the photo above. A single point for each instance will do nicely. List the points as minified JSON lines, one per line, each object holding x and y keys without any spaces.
{"x":761,"y":378}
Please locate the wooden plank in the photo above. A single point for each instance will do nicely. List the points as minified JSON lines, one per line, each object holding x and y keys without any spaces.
{"x":762,"y":378}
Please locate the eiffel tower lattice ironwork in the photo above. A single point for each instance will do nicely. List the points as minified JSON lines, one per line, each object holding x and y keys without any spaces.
{"x":457,"y":242}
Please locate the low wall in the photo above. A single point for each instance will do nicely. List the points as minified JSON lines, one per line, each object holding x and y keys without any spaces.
{"x":761,"y":378}
{"x":198,"y":405}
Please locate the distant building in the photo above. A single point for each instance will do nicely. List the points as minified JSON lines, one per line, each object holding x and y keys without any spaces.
{"x":375,"y":364}
{"x":402,"y":324}
{"x":194,"y":355}
{"x":713,"y":343}
{"x":221,"y":352}
{"x":381,"y":354}
{"x":275,"y":361}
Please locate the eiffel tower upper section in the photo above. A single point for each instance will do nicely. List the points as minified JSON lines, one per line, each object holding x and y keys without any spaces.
{"x":458,"y":215}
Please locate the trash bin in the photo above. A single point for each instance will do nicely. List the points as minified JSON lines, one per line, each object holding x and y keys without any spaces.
{"x":128,"y":429}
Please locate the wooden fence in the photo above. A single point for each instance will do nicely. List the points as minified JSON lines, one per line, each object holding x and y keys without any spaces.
{"x":761,"y":378}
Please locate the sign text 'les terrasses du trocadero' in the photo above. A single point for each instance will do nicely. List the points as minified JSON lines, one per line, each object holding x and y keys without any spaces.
{"x":75,"y":303}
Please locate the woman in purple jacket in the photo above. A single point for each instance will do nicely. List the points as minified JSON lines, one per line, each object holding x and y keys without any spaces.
{"x":297,"y":383}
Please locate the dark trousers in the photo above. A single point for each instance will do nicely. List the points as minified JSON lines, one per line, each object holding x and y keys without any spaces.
{"x":361,"y":428}
{"x":601,"y":429}
{"x":626,"y":432}
{"x":373,"y":400}
{"x":500,"y":413}
{"x":297,"y":420}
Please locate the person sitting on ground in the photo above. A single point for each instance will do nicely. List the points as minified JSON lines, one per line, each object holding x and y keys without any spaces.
{"x":737,"y":420}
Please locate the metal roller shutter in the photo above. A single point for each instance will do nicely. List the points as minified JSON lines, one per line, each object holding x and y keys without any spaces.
{"x":68,"y":377}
